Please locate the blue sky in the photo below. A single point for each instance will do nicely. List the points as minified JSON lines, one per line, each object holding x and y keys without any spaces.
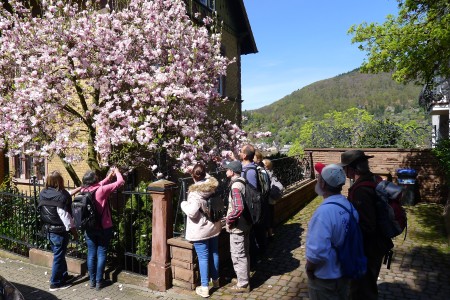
{"x":301,"y":42}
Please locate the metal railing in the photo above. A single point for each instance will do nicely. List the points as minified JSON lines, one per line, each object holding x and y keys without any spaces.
{"x":292,"y":170}
{"x":130,"y":247}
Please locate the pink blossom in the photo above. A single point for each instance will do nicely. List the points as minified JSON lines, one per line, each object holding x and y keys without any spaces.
{"x":143,"y":78}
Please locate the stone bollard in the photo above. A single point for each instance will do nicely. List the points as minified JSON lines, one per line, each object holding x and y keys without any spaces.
{"x":159,"y":268}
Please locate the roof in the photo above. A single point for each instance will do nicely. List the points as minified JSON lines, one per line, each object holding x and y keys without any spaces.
{"x":247,"y":41}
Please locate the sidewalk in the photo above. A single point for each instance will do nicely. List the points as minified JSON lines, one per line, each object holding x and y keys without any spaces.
{"x":420,"y":268}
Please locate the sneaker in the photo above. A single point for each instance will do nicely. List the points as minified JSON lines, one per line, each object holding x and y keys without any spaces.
{"x":92,"y":284}
{"x":55,"y":287}
{"x":202,"y":291}
{"x":69,"y":278}
{"x":216,"y":283}
{"x":240,"y":289}
{"x":99,"y":285}
{"x":102,"y":284}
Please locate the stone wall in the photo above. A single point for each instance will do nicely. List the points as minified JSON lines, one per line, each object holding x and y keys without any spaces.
{"x":184,"y":261}
{"x":431,"y":185}
{"x":293,"y":202}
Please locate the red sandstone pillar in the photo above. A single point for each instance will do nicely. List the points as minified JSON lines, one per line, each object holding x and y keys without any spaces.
{"x":159,"y":269}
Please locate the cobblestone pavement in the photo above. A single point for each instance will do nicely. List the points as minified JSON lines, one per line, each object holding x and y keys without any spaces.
{"x":420,"y":268}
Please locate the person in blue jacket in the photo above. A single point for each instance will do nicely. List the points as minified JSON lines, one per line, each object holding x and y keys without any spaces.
{"x":326,"y":228}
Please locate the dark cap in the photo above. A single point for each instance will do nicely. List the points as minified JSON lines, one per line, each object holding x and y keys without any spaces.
{"x":352,"y":156}
{"x":234,"y":166}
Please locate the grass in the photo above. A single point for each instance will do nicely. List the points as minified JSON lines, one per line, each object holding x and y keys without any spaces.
{"x":426,"y":226}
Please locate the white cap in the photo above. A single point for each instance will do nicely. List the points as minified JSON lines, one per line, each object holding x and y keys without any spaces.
{"x":333,"y":175}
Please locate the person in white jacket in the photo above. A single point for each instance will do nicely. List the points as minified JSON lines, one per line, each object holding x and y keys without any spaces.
{"x":202,"y":232}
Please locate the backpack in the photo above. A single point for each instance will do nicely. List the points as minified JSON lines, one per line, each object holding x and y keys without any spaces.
{"x":391,"y":216}
{"x":264,"y":181}
{"x":276,"y":190}
{"x":252,"y":203}
{"x":84,"y":213}
{"x":216,"y":207}
{"x":351,"y":253}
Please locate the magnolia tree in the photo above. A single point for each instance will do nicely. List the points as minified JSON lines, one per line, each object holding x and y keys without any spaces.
{"x":117,"y":86}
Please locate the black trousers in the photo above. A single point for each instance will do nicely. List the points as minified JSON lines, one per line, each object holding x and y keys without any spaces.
{"x":366,"y":287}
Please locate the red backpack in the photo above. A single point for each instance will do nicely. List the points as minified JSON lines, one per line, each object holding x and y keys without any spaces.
{"x":391,"y":216}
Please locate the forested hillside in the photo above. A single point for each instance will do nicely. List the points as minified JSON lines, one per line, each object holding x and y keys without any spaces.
{"x":376,"y":93}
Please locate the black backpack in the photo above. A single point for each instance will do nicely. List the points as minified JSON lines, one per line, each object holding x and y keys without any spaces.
{"x":252,"y":203}
{"x":216,"y":207}
{"x":84,"y":213}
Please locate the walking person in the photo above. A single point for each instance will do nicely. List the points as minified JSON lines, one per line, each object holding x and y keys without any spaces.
{"x":97,"y":239}
{"x":238,"y":227}
{"x":326,"y":232}
{"x":376,"y":245}
{"x":55,"y":212}
{"x":201,"y":231}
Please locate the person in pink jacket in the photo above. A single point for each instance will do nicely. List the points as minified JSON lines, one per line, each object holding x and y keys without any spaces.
{"x":97,"y":239}
{"x":200,"y":230}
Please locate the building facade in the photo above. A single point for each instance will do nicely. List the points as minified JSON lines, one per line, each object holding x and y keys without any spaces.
{"x":435,"y":98}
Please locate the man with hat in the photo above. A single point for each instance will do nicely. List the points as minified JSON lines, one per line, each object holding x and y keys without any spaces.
{"x":238,"y":227}
{"x":326,"y":232}
{"x":363,"y":196}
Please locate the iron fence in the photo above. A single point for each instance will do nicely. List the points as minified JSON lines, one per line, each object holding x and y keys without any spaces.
{"x":292,"y":170}
{"x":131,"y":211}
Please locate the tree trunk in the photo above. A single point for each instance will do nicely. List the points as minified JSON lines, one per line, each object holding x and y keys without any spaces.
{"x":92,"y":162}
{"x":69,"y":168}
{"x":92,"y":159}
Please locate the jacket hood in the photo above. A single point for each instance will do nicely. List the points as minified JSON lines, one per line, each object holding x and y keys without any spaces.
{"x":51,"y":194}
{"x":207,"y":186}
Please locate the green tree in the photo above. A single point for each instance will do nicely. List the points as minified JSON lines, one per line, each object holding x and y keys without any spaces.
{"x":381,"y":134}
{"x":296,"y":149}
{"x":415,"y":45}
{"x":357,"y":128}
{"x":335,"y":129}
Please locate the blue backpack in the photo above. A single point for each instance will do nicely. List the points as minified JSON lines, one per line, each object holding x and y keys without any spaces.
{"x":351,"y":253}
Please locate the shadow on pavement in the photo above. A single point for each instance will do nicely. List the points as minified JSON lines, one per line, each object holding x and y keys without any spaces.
{"x":398,"y":291}
{"x":429,"y":272}
{"x":279,"y":259}
{"x":32,"y":293}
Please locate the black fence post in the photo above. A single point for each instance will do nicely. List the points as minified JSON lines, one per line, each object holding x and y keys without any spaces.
{"x":34,"y":182}
{"x":313,"y":175}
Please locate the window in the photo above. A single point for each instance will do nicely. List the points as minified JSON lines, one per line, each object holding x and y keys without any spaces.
{"x":221,"y":85}
{"x":25,"y":167}
{"x":208,"y":3}
{"x":221,"y":79}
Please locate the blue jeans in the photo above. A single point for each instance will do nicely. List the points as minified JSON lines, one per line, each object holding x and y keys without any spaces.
{"x":97,"y":243}
{"x":208,"y":259}
{"x":59,"y":242}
